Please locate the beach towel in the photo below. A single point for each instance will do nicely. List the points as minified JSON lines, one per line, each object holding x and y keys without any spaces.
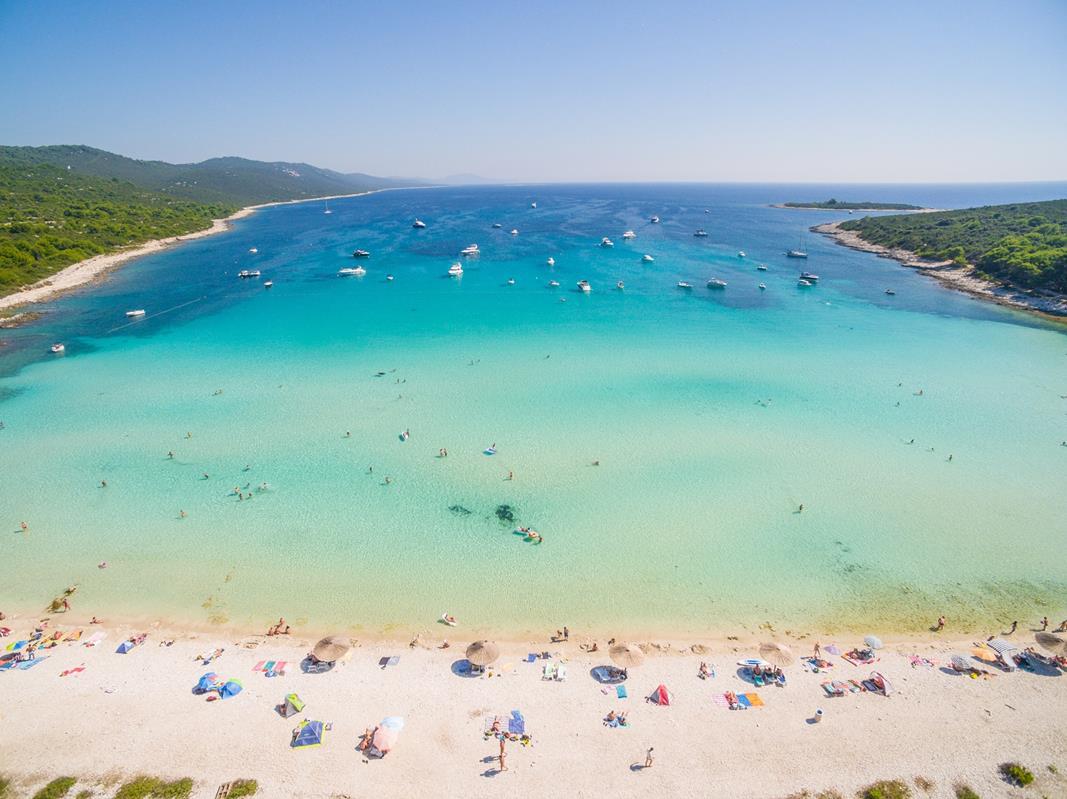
{"x":530,"y":658}
{"x":720,"y":700}
{"x":389,"y":661}
{"x":917,"y":660}
{"x":744,"y":701}
{"x":753,"y":700}
{"x":16,"y":646}
{"x":517,"y":724}
{"x":278,"y":670}
{"x":95,"y":638}
{"x":7,"y":664}
{"x":75,"y":670}
{"x":29,"y":664}
{"x":259,"y":666}
{"x":620,"y":692}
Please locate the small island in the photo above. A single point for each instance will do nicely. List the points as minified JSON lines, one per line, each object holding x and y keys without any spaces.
{"x":839,"y":205}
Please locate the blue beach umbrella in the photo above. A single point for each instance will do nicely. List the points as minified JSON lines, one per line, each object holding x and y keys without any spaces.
{"x":231,"y":688}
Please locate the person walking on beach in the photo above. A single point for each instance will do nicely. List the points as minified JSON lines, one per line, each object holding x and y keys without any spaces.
{"x":1014,"y":626}
{"x":1044,"y":623}
{"x":940,"y":623}
{"x":817,"y":651}
{"x":648,"y":758}
{"x":566,"y":633}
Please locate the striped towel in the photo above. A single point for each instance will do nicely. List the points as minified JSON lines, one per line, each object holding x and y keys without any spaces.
{"x":259,"y":666}
{"x":753,"y":700}
{"x":720,"y":700}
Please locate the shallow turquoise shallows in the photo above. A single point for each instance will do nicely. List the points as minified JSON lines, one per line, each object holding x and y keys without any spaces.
{"x":661,"y":440}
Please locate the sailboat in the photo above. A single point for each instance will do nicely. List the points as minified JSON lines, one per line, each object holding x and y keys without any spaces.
{"x":327,"y":211}
{"x":799,"y":252}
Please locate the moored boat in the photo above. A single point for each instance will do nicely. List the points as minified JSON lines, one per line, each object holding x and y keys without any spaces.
{"x":584,"y":286}
{"x":606,"y":242}
{"x":470,"y":249}
{"x":358,"y":271}
{"x":456,"y":270}
{"x":138,"y":312}
{"x":58,"y":348}
{"x":361,"y":254}
{"x":418,"y":223}
{"x":716,"y":283}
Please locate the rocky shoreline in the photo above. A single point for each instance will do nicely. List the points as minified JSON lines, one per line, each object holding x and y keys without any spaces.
{"x":951,"y":275}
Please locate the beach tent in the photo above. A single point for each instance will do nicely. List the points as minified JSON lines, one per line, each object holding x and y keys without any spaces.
{"x":231,"y":688}
{"x":1005,"y":650}
{"x":208,"y":682}
{"x":292,"y":705}
{"x":125,"y":647}
{"x":660,"y":696}
{"x":308,"y":734}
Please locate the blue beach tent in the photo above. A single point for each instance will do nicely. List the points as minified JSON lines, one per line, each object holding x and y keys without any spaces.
{"x":125,"y":647}
{"x":231,"y":688}
{"x":206,"y":683}
{"x":308,"y":734}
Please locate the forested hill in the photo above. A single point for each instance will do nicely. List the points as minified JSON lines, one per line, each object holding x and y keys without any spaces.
{"x":235,"y":181}
{"x":1024,"y":244}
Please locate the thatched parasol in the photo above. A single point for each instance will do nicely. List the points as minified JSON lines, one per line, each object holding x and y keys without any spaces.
{"x":331,"y":649}
{"x":626,"y":655}
{"x":1052,"y":643}
{"x":777,"y":654}
{"x":483,"y":653}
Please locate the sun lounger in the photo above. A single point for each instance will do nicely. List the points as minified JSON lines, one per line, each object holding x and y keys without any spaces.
{"x":620,"y":692}
{"x":530,"y":658}
{"x":561,"y":672}
{"x":549,"y":671}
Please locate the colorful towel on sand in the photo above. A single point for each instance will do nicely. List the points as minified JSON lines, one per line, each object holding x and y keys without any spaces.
{"x":620,"y":691}
{"x":720,"y":700}
{"x":917,"y":660}
{"x":29,"y":664}
{"x":858,"y":661}
{"x":753,"y":699}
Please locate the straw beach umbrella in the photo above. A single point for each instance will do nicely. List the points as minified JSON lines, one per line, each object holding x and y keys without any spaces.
{"x":483,"y":653}
{"x":776,"y":654}
{"x":1052,"y":643}
{"x":626,"y":655}
{"x":331,"y":649}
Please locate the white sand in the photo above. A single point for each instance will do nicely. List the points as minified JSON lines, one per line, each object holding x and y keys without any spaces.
{"x":135,"y":713}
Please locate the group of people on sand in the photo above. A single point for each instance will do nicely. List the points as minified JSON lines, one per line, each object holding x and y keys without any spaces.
{"x":614,"y":719}
{"x":281,"y":628}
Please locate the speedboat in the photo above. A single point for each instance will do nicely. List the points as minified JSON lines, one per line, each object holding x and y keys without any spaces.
{"x":606,"y":242}
{"x":511,"y":281}
{"x":389,"y":278}
{"x":620,"y":285}
{"x":253,"y":250}
{"x":533,"y":205}
{"x":139,"y":312}
{"x":629,"y":234}
{"x":514,"y":231}
{"x":701,"y":234}
{"x":248,"y":273}
{"x":646,"y":258}
{"x":358,"y":271}
{"x":58,"y":348}
{"x":470,"y":249}
{"x":551,"y":261}
{"x":796,"y":254}
{"x":685,"y":286}
{"x":804,"y":284}
{"x":890,"y":292}
{"x":715,"y":283}
{"x":456,"y":270}
{"x":584,"y":286}
{"x":361,"y":254}
{"x":497,"y":225}
{"x":762,"y":286}
{"x":707,"y":210}
{"x":553,"y":284}
{"x":268,"y":284}
{"x":761,"y":267}
{"x":740,"y":253}
{"x":418,"y":223}
{"x":809,"y":277}
{"x":654,"y":220}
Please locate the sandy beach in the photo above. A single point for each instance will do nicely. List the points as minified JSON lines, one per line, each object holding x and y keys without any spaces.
{"x":128,"y":714}
{"x":953,"y":276}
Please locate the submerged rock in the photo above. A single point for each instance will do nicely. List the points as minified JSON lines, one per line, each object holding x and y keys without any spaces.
{"x":505,"y":513}
{"x":459,"y":510}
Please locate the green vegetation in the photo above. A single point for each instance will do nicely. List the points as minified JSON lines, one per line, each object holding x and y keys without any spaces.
{"x":5,"y":787}
{"x":50,"y":218}
{"x":84,"y":794}
{"x":243,"y":788}
{"x":886,"y":789}
{"x":965,"y":792}
{"x":838,"y":205}
{"x":56,"y":789}
{"x":155,"y":788}
{"x":1016,"y":774}
{"x":1024,"y":244}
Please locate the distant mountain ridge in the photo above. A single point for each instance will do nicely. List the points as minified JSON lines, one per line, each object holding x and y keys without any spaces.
{"x":231,"y":180}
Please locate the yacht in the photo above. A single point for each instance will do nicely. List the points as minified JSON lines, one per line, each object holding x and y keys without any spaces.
{"x":553,"y":284}
{"x":514,"y":231}
{"x":606,"y":242}
{"x":456,"y":270}
{"x":761,"y":267}
{"x":890,"y":292}
{"x":629,"y":234}
{"x":809,"y":277}
{"x":418,"y":223}
{"x":654,"y":220}
{"x":470,"y":249}
{"x":740,"y":253}
{"x":244,"y":273}
{"x":715,"y":283}
{"x":701,"y":234}
{"x":685,"y":286}
{"x":268,"y":284}
{"x":361,"y":254}
{"x":551,"y":261}
{"x":327,"y":211}
{"x":358,"y":271}
{"x":799,"y":252}
{"x":139,"y":312}
{"x":511,"y":281}
{"x":762,"y":286}
{"x":584,"y":286}
{"x":646,"y":258}
{"x":389,"y":278}
{"x":804,"y":284}
{"x":497,"y":225}
{"x":253,"y":250}
{"x":58,"y":348}
{"x":620,"y":285}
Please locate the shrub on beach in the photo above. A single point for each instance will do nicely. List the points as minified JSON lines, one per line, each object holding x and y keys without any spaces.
{"x":886,"y":789}
{"x":243,"y":788}
{"x":5,"y":787}
{"x":1016,"y":774}
{"x":965,"y":792}
{"x":155,"y":788}
{"x":56,"y":789}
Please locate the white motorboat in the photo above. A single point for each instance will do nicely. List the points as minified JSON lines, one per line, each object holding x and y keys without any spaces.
{"x":246,"y":273}
{"x":809,"y":277}
{"x":761,"y":267}
{"x":804,"y":284}
{"x":497,"y":225}
{"x":707,"y":210}
{"x":629,"y":234}
{"x":701,"y":234}
{"x":389,"y":278}
{"x":684,"y":286}
{"x":58,"y":348}
{"x":606,"y":242}
{"x":138,"y":312}
{"x":533,"y":205}
{"x":418,"y":223}
{"x":620,"y":285}
{"x":654,"y":220}
{"x":456,"y":270}
{"x":716,"y":283}
{"x":511,"y":281}
{"x":551,"y":261}
{"x":890,"y":292}
{"x":762,"y":286}
{"x":268,"y":284}
{"x":646,"y":258}
{"x":358,"y":271}
{"x":361,"y":254}
{"x":253,"y":250}
{"x":553,"y":284}
{"x":740,"y":253}
{"x":470,"y":249}
{"x":584,"y":286}
{"x":514,"y":231}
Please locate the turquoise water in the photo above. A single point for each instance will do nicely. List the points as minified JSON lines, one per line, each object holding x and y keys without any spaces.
{"x":713,"y":416}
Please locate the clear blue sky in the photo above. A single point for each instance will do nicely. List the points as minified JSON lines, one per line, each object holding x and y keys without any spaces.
{"x":543,"y":91}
